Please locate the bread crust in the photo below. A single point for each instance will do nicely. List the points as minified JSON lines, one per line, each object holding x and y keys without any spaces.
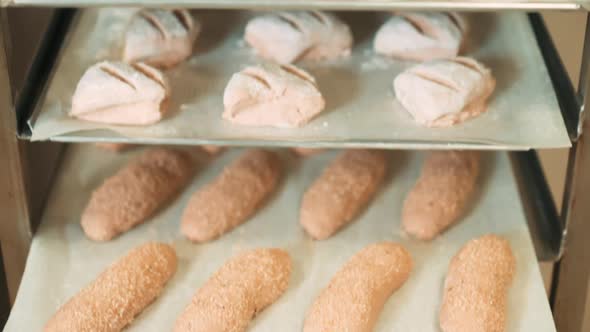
{"x":233,"y":197}
{"x":477,"y":285}
{"x":120,"y":293}
{"x":342,"y":191}
{"x":442,"y":194}
{"x":136,"y":192}
{"x":355,"y":296}
{"x":243,"y":287}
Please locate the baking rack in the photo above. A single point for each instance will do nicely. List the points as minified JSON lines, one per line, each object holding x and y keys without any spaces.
{"x":560,"y":236}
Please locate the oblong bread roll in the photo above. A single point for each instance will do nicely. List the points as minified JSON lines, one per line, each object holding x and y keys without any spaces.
{"x":235,"y":195}
{"x":442,"y":193}
{"x":120,"y":293}
{"x":476,"y":287}
{"x":135,"y":192}
{"x":342,"y":191}
{"x":355,"y":296}
{"x":237,"y":292}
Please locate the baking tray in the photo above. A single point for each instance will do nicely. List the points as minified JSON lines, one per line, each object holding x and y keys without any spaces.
{"x":361,"y":108}
{"x":62,"y":260}
{"x":321,"y":4}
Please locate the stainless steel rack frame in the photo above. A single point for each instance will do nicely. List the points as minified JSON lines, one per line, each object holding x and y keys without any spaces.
{"x":26,"y":169}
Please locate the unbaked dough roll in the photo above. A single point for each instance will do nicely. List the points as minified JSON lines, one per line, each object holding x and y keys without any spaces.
{"x":120,"y":293}
{"x":243,"y":287}
{"x":232,"y":197}
{"x":272,"y":95}
{"x":342,"y":191}
{"x":442,"y":193}
{"x":355,"y":296}
{"x":160,"y":37}
{"x":135,"y":192}
{"x":476,"y":288}
{"x":445,"y":92}
{"x":114,"y":92}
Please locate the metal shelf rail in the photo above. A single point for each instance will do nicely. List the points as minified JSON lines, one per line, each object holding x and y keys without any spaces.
{"x":561,"y":236}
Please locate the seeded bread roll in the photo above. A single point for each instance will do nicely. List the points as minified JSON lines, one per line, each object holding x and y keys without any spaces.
{"x":135,"y":192}
{"x":442,"y":193}
{"x":355,"y":296}
{"x":160,"y":37}
{"x":243,"y":287}
{"x":232,"y":197}
{"x":117,"y":93}
{"x":120,"y":293}
{"x":476,"y":288}
{"x":342,"y":192}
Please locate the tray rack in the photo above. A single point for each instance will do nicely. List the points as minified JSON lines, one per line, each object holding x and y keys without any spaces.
{"x":560,"y":236}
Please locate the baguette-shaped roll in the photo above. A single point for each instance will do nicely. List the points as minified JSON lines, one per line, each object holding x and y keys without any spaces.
{"x":122,"y":94}
{"x":235,"y":195}
{"x":442,"y":193}
{"x":476,"y":287}
{"x":135,"y":192}
{"x":355,"y":296}
{"x":237,"y":292}
{"x":160,"y":37}
{"x":342,"y":191}
{"x":442,"y":93}
{"x":120,"y":293}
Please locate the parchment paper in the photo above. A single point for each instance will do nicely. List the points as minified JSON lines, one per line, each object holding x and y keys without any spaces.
{"x":62,"y":260}
{"x":361,"y":109}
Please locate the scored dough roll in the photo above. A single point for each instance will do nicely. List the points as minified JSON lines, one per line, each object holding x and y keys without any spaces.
{"x":355,"y":296}
{"x":476,"y":287}
{"x":342,"y":191}
{"x":135,"y":192}
{"x":120,"y":293}
{"x":441,"y":195}
{"x":232,"y":197}
{"x":237,"y":292}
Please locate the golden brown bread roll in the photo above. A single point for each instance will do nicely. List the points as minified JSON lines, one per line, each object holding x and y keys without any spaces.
{"x":135,"y":192}
{"x":237,"y":292}
{"x":120,"y":293}
{"x":442,"y":193}
{"x":232,"y":197}
{"x":342,"y":191}
{"x":355,"y":296}
{"x":476,"y":288}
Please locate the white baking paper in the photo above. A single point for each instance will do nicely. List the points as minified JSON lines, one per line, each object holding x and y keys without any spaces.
{"x":62,"y":260}
{"x":361,"y":109}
